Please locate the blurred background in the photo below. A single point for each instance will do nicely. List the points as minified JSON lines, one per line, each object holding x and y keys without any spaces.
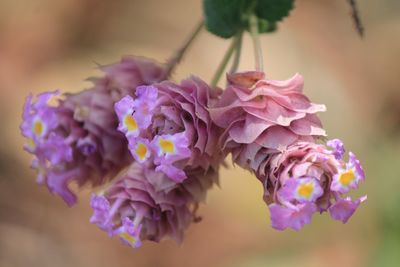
{"x":48,"y":44}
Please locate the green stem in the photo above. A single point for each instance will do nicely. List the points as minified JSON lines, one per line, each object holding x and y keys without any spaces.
{"x":256,"y":42}
{"x":177,"y":57}
{"x":238,"y":51}
{"x":224,"y":63}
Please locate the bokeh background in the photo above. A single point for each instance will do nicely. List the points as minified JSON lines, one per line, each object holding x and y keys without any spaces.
{"x":48,"y":44}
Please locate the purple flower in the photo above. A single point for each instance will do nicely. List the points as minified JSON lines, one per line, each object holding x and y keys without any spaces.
{"x":174,"y":173}
{"x":146,"y":98}
{"x":38,"y":119}
{"x":355,"y":163}
{"x":349,"y":177}
{"x":343,"y":209}
{"x":135,"y":115}
{"x":140,"y":149}
{"x":338,"y":148}
{"x":56,"y":150}
{"x":291,"y":217}
{"x":171,"y":147}
{"x":101,"y":212}
{"x":129,"y":118}
{"x":301,"y":190}
{"x":129,"y":233}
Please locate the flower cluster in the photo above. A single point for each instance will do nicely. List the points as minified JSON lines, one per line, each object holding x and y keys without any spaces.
{"x":271,"y":128}
{"x":169,"y":126}
{"x":144,"y":204}
{"x":76,"y":139}
{"x":307,"y":178}
{"x":135,"y":117}
{"x":156,"y":146}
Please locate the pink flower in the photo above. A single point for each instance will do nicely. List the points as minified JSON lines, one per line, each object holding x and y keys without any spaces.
{"x":183,"y":112}
{"x":258,"y":113}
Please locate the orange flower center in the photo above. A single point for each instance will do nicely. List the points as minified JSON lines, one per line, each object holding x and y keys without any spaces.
{"x":141,"y":151}
{"x":305,"y":190}
{"x":130,"y":123}
{"x":167,"y":146}
{"x":347,"y":177}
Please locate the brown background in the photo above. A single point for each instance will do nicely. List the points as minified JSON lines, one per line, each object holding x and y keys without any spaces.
{"x":48,"y":44}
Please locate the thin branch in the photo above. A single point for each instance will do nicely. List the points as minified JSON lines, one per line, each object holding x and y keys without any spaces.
{"x":224,"y":63}
{"x":177,"y":57}
{"x":356,"y":17}
{"x":256,"y":42}
{"x":238,"y":51}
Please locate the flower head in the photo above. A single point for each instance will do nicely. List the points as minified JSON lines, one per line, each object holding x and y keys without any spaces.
{"x":183,"y":134}
{"x":264,"y":113}
{"x":307,"y":178}
{"x":144,"y":205}
{"x":171,"y":127}
{"x":77,"y":139}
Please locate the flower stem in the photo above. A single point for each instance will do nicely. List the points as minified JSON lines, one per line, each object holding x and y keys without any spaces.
{"x":238,"y":51}
{"x":177,"y":57}
{"x":224,"y":63}
{"x":256,"y":42}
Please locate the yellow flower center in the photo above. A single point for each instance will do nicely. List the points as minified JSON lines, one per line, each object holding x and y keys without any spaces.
{"x":130,"y":123}
{"x":347,"y":177}
{"x":167,"y":146}
{"x":141,"y":151}
{"x":129,"y":238}
{"x":38,"y":128}
{"x":305,"y":190}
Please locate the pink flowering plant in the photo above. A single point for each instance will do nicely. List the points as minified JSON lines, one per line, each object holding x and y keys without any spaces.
{"x":151,"y":148}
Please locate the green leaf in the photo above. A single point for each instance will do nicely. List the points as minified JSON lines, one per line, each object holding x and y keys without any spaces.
{"x":224,"y":17}
{"x":273,"y":10}
{"x":264,"y":26}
